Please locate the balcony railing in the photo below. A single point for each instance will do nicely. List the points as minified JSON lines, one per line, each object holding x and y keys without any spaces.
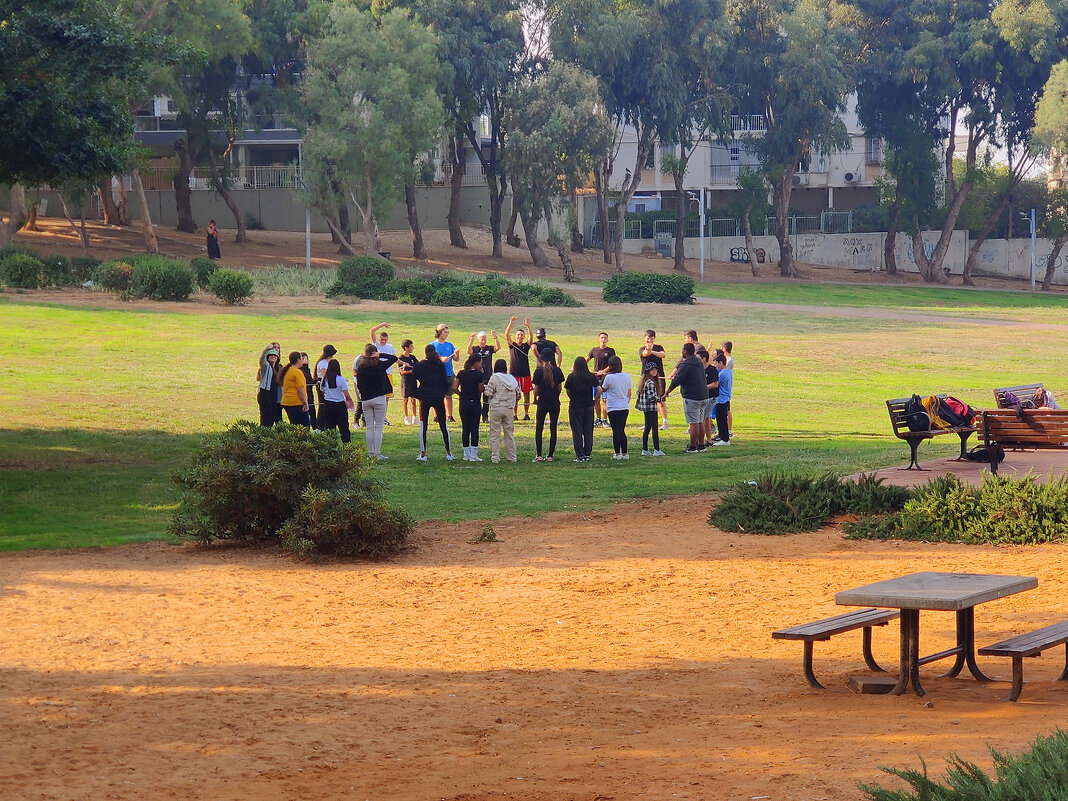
{"x":474,"y":174}
{"x":272,"y":177}
{"x":748,"y":122}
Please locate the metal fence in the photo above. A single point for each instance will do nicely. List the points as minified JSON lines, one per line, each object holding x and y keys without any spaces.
{"x":827,"y":222}
{"x":270,"y":177}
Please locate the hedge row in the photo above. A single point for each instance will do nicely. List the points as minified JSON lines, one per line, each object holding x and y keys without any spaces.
{"x":633,"y":287}
{"x":375,"y":279}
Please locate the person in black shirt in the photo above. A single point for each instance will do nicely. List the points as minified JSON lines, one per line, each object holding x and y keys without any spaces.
{"x":600,"y":356}
{"x":580,"y":385}
{"x":485,"y":354}
{"x":548,"y":381}
{"x":651,"y":352}
{"x":432,"y":384}
{"x":470,"y":382}
{"x":519,"y":362}
{"x":406,"y":361}
{"x":547,"y":349}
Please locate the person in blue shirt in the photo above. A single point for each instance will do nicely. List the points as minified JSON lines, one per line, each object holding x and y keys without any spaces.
{"x":723,"y":402}
{"x":448,"y":353}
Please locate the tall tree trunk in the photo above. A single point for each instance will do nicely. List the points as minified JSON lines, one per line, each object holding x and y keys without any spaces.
{"x":183,"y":196}
{"x":747,"y":229}
{"x":1051,"y":262}
{"x":601,"y":188}
{"x":511,"y":237}
{"x":224,"y":193}
{"x":577,"y":243}
{"x":372,"y":244}
{"x":17,"y":214}
{"x":418,"y":249}
{"x":458,"y":163}
{"x":31,"y":220}
{"x":565,"y":257}
{"x":82,"y":238}
{"x":930,"y":270}
{"x":890,"y":243}
{"x":780,"y":197}
{"x":530,"y":230}
{"x":984,"y":234}
{"x":337,"y":235}
{"x":122,"y":204}
{"x":107,"y":201}
{"x":147,"y":229}
{"x":678,"y":175}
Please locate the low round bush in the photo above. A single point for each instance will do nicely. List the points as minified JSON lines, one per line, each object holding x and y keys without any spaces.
{"x":22,"y":270}
{"x":81,"y":268}
{"x":161,"y":279}
{"x":112,"y":276}
{"x":230,"y":286}
{"x":417,"y":290}
{"x":362,"y":277}
{"x":451,"y":296}
{"x":9,"y":250}
{"x":481,"y":296}
{"x":202,"y":271}
{"x":57,"y":271}
{"x":635,"y":287}
{"x":285,"y":484}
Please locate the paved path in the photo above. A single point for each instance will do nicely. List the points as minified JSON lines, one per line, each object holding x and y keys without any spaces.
{"x":1016,"y":465}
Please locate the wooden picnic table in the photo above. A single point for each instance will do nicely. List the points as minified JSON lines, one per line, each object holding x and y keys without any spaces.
{"x":952,"y":592}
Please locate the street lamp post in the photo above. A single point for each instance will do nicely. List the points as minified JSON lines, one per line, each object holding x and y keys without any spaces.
{"x":1031,"y":219}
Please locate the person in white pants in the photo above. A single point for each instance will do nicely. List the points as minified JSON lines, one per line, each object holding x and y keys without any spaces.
{"x":503,"y":393}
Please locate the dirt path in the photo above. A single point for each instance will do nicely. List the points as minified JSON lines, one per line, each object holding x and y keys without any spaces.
{"x":614,"y":656}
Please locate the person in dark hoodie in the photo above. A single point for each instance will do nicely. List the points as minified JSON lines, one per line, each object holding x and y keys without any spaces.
{"x":690,"y":379}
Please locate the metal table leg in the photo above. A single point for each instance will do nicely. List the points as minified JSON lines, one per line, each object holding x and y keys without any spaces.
{"x":908,"y":616}
{"x":914,"y":651}
{"x":966,"y":638}
{"x":958,"y":664}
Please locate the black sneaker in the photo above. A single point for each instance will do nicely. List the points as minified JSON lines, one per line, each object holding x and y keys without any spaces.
{"x":690,"y":449}
{"x":702,"y":448}
{"x":526,"y":418}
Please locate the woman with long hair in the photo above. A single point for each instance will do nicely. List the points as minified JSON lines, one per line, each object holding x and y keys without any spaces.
{"x":547,"y":381}
{"x":334,"y":410}
{"x":310,"y":385}
{"x":470,"y":382}
{"x":267,"y":396}
{"x":580,"y":386}
{"x":372,"y":384}
{"x":616,"y":388}
{"x":432,"y":385}
{"x":294,"y":395}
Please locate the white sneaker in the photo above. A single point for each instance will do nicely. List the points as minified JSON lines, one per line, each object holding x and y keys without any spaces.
{"x":664,"y":427}
{"x":722,"y":442}
{"x":474,"y":454}
{"x":625,"y":457}
{"x":381,"y":457}
{"x":647,"y":453}
{"x":659,"y":453}
{"x":449,"y":457}
{"x":467,"y":454}
{"x":421,"y":458}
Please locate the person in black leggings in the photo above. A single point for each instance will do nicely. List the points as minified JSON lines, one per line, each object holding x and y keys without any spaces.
{"x":580,"y":385}
{"x":431,"y":387}
{"x":548,"y":380}
{"x":470,"y":382}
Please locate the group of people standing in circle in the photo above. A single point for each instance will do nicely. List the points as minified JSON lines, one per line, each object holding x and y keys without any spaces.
{"x":490,"y":391}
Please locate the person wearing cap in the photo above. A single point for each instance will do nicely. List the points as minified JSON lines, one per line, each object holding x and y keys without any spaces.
{"x":385,"y":349}
{"x":519,"y":362}
{"x":690,"y":378}
{"x":476,"y":345}
{"x":448,"y":354}
{"x":546,"y":349}
{"x":267,"y":376}
{"x":647,"y":403}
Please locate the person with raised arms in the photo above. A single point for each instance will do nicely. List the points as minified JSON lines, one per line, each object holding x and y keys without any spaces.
{"x":519,"y":362}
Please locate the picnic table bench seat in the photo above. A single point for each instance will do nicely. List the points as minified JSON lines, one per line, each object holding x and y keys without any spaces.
{"x":1023,"y":392}
{"x":896,"y":408}
{"x":824,"y":629}
{"x":1031,"y":643}
{"x":1041,"y":429}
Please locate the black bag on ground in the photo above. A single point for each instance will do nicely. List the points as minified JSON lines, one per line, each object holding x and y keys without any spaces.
{"x":916,"y":417}
{"x":980,"y":453}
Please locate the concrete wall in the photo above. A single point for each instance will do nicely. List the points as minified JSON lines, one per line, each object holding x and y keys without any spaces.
{"x":1012,"y":257}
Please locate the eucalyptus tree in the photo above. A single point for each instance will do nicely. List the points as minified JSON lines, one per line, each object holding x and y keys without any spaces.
{"x":557,"y":132}
{"x":1050,"y":137}
{"x":791,"y":64}
{"x":372,"y":84}
{"x":64,"y":115}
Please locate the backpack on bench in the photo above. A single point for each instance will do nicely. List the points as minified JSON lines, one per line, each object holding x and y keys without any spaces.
{"x":916,"y":416}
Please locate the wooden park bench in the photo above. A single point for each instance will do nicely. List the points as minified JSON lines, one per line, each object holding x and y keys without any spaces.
{"x":828,"y":627}
{"x":1023,"y":392}
{"x":1030,"y":644}
{"x":1044,"y":429}
{"x":896,"y":408}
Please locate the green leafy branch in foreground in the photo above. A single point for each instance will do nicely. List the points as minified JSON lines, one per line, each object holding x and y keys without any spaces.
{"x":1038,"y":774}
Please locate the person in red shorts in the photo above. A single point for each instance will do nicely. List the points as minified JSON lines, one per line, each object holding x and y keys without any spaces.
{"x":519,"y":361}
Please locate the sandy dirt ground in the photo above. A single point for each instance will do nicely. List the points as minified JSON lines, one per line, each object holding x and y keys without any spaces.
{"x":624,"y":655}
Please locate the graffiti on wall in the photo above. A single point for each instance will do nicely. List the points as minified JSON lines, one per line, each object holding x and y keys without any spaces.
{"x":741,"y":255}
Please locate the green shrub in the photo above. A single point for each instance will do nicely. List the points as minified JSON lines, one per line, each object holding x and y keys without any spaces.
{"x":57,"y":271}
{"x":1001,"y":510}
{"x":112,"y":276}
{"x":12,"y":249}
{"x":416,"y":290}
{"x":22,"y":270}
{"x":285,"y":484}
{"x":202,"y":271}
{"x":634,"y":287}
{"x":283,"y":280}
{"x":160,"y":278}
{"x":1040,"y":772}
{"x":451,"y":296}
{"x":362,"y":277}
{"x":481,"y":295}
{"x":231,"y":286}
{"x":81,"y":268}
{"x":554,"y":296}
{"x":780,"y":503}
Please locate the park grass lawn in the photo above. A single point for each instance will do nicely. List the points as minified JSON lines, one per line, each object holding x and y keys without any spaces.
{"x":101,"y":405}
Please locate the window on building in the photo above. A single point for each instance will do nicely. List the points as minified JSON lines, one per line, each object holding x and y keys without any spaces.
{"x":873,"y":150}
{"x":736,"y":152}
{"x":650,"y":159}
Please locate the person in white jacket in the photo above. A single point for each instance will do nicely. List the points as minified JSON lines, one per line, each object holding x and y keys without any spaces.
{"x":503,"y":392}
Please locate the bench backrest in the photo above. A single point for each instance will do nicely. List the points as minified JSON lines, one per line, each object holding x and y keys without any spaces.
{"x":1042,"y":428}
{"x":1023,"y":392}
{"x":896,"y":408}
